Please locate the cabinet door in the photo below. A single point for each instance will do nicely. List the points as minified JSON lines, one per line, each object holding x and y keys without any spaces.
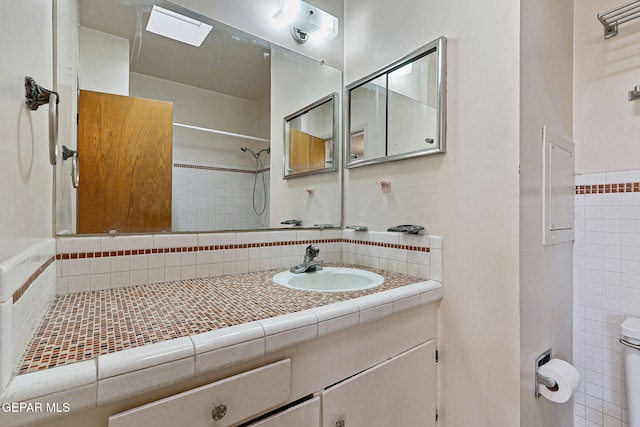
{"x":399,"y":392}
{"x":306,"y":414}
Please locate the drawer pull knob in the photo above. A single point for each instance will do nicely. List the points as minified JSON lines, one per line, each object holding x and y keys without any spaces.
{"x":219,"y":412}
{"x":340,"y":423}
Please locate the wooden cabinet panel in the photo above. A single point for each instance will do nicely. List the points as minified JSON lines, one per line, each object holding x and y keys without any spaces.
{"x":244,"y":396}
{"x":306,"y":414}
{"x":399,"y":392}
{"x":125,"y":159}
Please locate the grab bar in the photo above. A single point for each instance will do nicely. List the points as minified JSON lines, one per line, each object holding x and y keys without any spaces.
{"x":36,"y":96}
{"x":75,"y":169}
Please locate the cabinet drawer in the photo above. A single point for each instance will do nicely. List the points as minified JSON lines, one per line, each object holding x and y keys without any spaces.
{"x":237,"y":398}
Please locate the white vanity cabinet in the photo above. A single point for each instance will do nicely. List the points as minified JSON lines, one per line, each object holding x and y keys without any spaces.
{"x":398,"y":392}
{"x":379,"y":373}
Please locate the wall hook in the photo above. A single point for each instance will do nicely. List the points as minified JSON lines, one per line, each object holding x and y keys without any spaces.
{"x":310,"y":191}
{"x":634,"y":93}
{"x":36,"y":96}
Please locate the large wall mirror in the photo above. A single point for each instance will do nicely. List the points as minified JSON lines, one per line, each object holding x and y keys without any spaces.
{"x":398,"y":112}
{"x":209,"y":164}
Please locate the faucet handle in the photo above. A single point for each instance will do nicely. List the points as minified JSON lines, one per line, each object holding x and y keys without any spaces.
{"x":311,"y":252}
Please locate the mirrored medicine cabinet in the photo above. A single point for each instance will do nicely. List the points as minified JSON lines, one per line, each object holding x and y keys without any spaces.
{"x":398,"y":112}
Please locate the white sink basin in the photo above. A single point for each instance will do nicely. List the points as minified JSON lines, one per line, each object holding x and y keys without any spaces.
{"x":330,"y":279}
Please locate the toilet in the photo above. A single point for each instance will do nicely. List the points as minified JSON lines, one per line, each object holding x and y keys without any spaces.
{"x":630,"y":332}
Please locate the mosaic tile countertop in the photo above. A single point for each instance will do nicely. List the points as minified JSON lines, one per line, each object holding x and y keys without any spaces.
{"x":84,"y":325}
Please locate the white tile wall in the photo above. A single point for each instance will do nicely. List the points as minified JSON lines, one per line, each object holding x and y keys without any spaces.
{"x":205,"y":199}
{"x":606,"y":290}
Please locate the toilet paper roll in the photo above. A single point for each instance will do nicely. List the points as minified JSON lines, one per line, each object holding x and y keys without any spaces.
{"x":565,"y":375}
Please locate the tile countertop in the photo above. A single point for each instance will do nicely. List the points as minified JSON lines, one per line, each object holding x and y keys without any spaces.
{"x":186,"y":328}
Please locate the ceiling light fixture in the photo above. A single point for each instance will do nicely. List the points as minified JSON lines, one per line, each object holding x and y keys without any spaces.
{"x":305,"y":20}
{"x":177,"y":27}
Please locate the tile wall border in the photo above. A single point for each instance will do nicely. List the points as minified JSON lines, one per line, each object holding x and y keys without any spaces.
{"x":104,"y":254}
{"x":23,"y":289}
{"x":626,"y":187}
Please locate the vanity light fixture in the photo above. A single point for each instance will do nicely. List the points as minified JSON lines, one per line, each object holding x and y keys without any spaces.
{"x":306,"y":20}
{"x":177,"y":27}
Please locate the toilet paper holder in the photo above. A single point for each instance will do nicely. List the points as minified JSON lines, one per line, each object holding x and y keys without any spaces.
{"x":550,"y":383}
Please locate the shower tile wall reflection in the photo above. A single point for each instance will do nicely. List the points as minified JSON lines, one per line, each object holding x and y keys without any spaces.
{"x":213,"y":197}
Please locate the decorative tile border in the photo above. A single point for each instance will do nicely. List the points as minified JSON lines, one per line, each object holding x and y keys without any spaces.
{"x":387,"y":245}
{"x":83,"y":255}
{"x":627,"y":187}
{"x":21,"y":291}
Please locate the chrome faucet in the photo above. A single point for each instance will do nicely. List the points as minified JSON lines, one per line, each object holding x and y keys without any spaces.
{"x":310,"y":264}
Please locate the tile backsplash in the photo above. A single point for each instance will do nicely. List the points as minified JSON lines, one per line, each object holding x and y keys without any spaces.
{"x":102,"y":262}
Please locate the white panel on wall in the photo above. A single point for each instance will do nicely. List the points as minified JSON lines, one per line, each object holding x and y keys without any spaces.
{"x":558,"y":187}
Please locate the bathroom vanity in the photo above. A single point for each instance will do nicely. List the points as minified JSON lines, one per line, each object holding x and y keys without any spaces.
{"x":364,"y":361}
{"x":368,"y":391}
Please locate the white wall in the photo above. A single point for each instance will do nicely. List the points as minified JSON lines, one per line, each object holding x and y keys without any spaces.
{"x":25,"y":173}
{"x":103,"y":62}
{"x":468,"y":195}
{"x":606,"y":123}
{"x":606,"y":127}
{"x":296,"y":83}
{"x":545,"y":271}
